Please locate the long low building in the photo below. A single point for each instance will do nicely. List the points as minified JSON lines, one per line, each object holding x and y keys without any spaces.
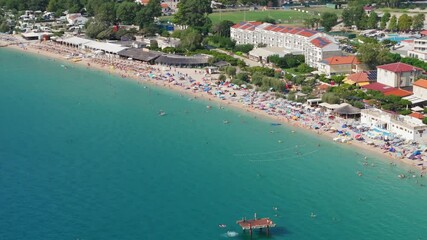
{"x":83,"y":43}
{"x":406,"y":127}
{"x":177,"y":60}
{"x":314,"y":45}
{"x":140,"y":54}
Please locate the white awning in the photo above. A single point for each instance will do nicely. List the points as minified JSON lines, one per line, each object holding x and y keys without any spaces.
{"x":76,"y":41}
{"x":106,"y":47}
{"x":414,"y":100}
{"x":417,"y":109}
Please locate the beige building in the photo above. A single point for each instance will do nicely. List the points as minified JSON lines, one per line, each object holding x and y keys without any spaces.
{"x":340,"y":65}
{"x":314,"y":45}
{"x":420,"y":89}
{"x":397,"y":74}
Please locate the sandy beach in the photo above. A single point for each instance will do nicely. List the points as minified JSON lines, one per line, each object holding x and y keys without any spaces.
{"x":189,"y":87}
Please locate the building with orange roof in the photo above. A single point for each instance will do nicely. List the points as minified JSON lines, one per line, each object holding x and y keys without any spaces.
{"x":340,"y":65}
{"x":398,"y":92}
{"x":417,"y":115}
{"x":420,"y":89}
{"x":361,"y":78}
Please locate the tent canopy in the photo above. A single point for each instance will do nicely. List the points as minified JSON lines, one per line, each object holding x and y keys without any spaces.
{"x":347,"y":110}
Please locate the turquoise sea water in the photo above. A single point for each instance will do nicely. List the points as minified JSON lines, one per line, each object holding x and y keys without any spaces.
{"x":84,"y":155}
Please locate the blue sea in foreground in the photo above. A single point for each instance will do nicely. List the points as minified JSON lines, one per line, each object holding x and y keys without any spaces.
{"x":85,"y":155}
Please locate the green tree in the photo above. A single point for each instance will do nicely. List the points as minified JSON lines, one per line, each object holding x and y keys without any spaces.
{"x":94,"y":28}
{"x":243,"y":76}
{"x":384,"y":20}
{"x":418,"y":22}
{"x":372,"y":22}
{"x":106,"y":12}
{"x":4,"y":27}
{"x":392,"y":26}
{"x":126,"y":12}
{"x":190,"y":39}
{"x":194,"y":13}
{"x":359,"y":17}
{"x":304,"y":68}
{"x":222,"y":28}
{"x":425,"y":120}
{"x":330,"y":98}
{"x":347,"y":17}
{"x":373,"y":54}
{"x":230,"y":71}
{"x":145,"y":16}
{"x":405,"y":23}
{"x":328,"y":20}
{"x":244,"y":48}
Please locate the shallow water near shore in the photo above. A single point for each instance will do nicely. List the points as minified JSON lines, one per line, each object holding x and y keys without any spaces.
{"x":85,"y":155}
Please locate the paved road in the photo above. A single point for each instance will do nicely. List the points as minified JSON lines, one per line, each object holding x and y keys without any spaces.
{"x":249,"y":62}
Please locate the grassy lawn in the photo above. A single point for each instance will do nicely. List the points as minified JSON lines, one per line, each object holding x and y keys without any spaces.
{"x":322,"y":10}
{"x":281,"y":16}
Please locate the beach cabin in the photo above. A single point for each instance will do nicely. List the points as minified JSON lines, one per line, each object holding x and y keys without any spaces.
{"x":314,"y":102}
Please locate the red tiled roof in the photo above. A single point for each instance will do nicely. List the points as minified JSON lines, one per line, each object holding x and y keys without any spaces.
{"x":398,"y":92}
{"x":421,"y":83}
{"x":363,"y":76}
{"x":164,"y":5}
{"x":269,"y":27}
{"x":323,"y":87}
{"x":399,"y":67}
{"x":295,"y":30}
{"x":277,"y":29}
{"x":378,"y":87}
{"x":307,"y":33}
{"x":424,"y":32}
{"x":339,"y":60}
{"x":286,"y":29}
{"x":245,"y":25}
{"x":417,"y":115}
{"x":320,"y":42}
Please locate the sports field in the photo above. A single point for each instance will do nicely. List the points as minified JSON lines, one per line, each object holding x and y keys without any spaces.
{"x":281,"y":16}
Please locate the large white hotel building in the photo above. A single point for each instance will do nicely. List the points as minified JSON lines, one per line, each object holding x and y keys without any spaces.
{"x":314,"y":45}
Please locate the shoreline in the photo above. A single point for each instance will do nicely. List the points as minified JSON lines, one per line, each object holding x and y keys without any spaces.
{"x":235,"y":105}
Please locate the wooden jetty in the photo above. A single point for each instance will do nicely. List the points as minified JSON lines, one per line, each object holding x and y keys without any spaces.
{"x":255,"y":223}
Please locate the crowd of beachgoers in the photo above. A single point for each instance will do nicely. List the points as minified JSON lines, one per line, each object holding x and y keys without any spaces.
{"x":198,"y":83}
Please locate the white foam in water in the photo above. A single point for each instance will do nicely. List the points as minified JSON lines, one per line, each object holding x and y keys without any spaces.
{"x":231,"y":234}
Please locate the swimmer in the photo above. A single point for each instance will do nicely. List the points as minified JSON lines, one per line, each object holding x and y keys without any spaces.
{"x":312,"y":215}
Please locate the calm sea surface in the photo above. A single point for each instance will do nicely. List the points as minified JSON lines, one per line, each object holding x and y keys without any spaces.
{"x":85,"y":155}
